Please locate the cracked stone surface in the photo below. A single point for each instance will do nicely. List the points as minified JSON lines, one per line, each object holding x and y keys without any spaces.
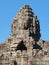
{"x":24,"y":46}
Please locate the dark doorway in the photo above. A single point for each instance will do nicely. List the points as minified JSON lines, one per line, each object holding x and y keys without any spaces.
{"x":15,"y":63}
{"x":21,"y":46}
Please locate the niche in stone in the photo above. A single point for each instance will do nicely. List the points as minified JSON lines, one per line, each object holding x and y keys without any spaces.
{"x":21,"y":46}
{"x":15,"y":63}
{"x":27,"y":24}
{"x":36,"y":46}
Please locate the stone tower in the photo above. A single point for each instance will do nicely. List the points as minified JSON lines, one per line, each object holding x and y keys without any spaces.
{"x":24,"y":45}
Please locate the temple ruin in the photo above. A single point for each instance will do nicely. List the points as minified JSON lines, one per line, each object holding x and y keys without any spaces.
{"x":24,"y":46}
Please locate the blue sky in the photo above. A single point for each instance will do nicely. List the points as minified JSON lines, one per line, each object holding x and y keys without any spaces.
{"x":9,"y":8}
